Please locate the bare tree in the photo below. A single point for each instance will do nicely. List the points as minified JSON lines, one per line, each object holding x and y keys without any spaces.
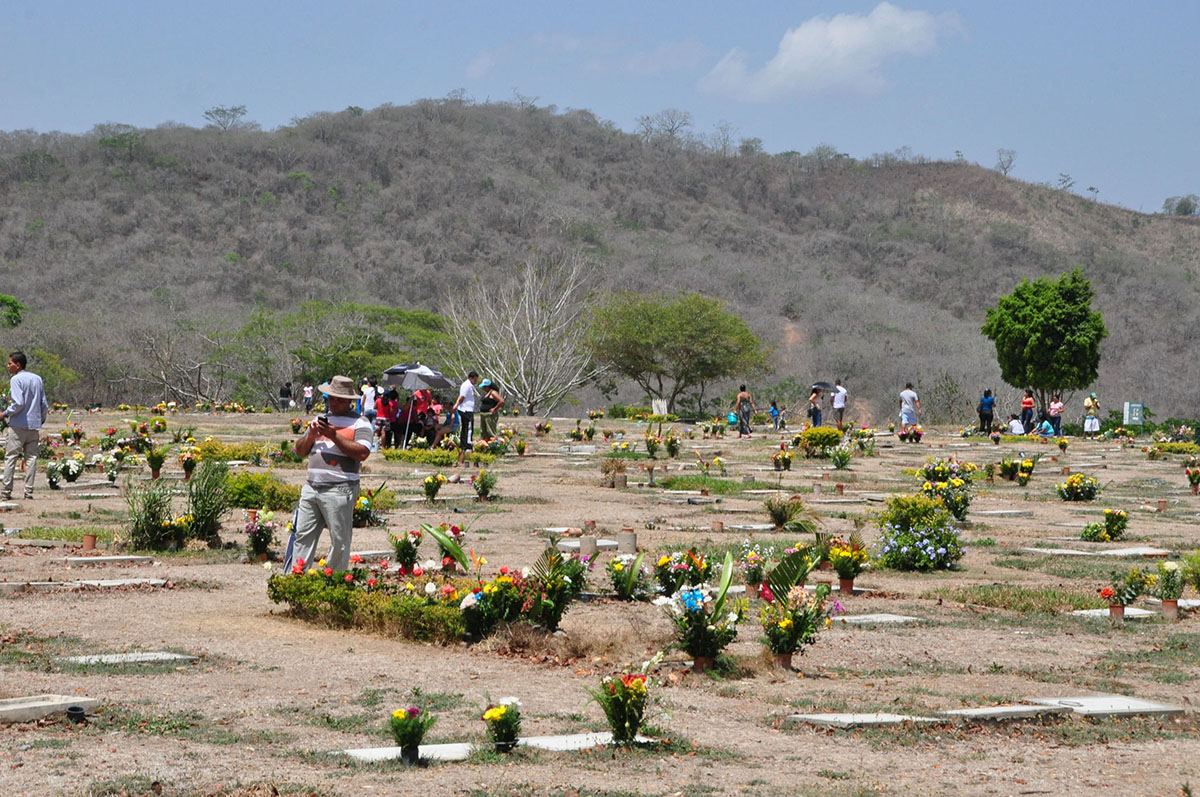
{"x":1004,"y":160}
{"x":527,"y":333}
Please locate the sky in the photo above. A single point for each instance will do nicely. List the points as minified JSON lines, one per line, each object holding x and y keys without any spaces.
{"x":1102,"y":94}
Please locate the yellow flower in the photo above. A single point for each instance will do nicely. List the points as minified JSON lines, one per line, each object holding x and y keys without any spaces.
{"x":400,"y":714}
{"x":504,"y":580}
{"x":488,"y":589}
{"x":618,"y":567}
{"x":321,"y":563}
{"x":664,"y":560}
{"x":785,"y":622}
{"x":495,"y":713}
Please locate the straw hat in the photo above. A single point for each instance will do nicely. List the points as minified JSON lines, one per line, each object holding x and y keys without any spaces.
{"x":340,"y":387}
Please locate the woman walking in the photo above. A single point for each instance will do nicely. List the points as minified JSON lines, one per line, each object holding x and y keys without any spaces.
{"x":743,"y":405}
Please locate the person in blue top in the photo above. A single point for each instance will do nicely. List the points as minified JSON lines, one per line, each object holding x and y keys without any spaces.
{"x":1044,"y":427}
{"x":987,"y":412}
{"x":25,"y":415}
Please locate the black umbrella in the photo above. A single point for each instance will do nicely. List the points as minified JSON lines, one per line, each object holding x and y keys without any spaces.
{"x":823,"y":386}
{"x":395,"y":374}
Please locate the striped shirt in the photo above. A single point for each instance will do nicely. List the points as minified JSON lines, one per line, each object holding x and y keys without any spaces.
{"x":326,"y":462}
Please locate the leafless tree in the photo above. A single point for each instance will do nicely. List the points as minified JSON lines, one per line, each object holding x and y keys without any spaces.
{"x":527,"y":333}
{"x":1004,"y":160}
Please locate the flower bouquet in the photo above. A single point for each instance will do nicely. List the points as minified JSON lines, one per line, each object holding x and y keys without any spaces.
{"x":995,"y":437}
{"x":849,"y":558}
{"x":589,"y":432}
{"x":1062,"y":444}
{"x":671,"y":441}
{"x":782,"y":459}
{"x":541,"y":428}
{"x":576,"y":434}
{"x":408,"y":727}
{"x":1113,"y":527}
{"x":455,"y":535}
{"x":73,"y":466}
{"x":432,"y":484}
{"x":298,"y":425}
{"x":1123,"y":590}
{"x":753,"y":562}
{"x":622,"y":698}
{"x":1193,"y":477}
{"x":260,"y":533}
{"x":595,"y":414}
{"x":702,"y":627}
{"x":1168,"y":586}
{"x":406,"y":547}
{"x":792,"y":621}
{"x":674,"y":570}
{"x":628,"y":577}
{"x":653,"y":443}
{"x":503,"y":723}
{"x":484,"y":482}
{"x":1078,"y":487}
{"x":188,"y":457}
{"x":520,"y":446}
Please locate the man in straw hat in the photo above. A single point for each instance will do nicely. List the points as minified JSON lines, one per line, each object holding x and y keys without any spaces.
{"x":336,"y":445}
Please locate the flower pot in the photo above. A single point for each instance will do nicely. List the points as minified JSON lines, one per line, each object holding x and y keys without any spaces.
{"x":703,"y":663}
{"x":782,"y":661}
{"x":409,"y":756}
{"x":703,"y":491}
{"x":846,"y":586}
{"x":1116,"y":613}
{"x":89,"y":542}
{"x":505,"y":747}
{"x":778,"y":528}
{"x":840,"y":489}
{"x":778,"y":465}
{"x":787,"y":464}
{"x":752,"y":589}
{"x":620,"y":481}
{"x":1162,"y":505}
{"x":1196,"y":489}
{"x":826,"y":565}
{"x":449,"y":567}
{"x":1170,"y":609}
{"x":718,"y":526}
{"x":262,"y":557}
{"x":154,"y":473}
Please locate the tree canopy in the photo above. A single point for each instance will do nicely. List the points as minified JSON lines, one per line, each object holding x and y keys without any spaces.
{"x":1047,"y":336}
{"x":670,"y":346}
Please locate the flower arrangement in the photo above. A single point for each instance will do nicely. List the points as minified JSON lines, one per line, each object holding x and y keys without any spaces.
{"x":916,"y":533}
{"x":911,"y":434}
{"x":702,"y":628}
{"x":717,"y":463}
{"x":1078,"y":487}
{"x":73,"y":466}
{"x":155,"y":458}
{"x":54,"y":473}
{"x":782,"y":459}
{"x":673,"y":570}
{"x":1009,"y":468}
{"x":1124,"y":587}
{"x":1062,"y":444}
{"x":1023,"y":477}
{"x":1168,"y":581}
{"x":653,"y":443}
{"x":409,"y":725}
{"x":298,"y":425}
{"x":627,"y":576}
{"x":864,"y":441}
{"x":432,"y":484}
{"x":589,"y":432}
{"x":793,"y":621}
{"x":1193,"y":475}
{"x":520,"y":446}
{"x":542,"y":428}
{"x":503,"y":723}
{"x":595,"y":415}
{"x":158,"y":425}
{"x":943,"y":470}
{"x":753,"y":562}
{"x":620,"y":447}
{"x":406,"y":547}
{"x":849,"y":558}
{"x":995,"y":437}
{"x":455,"y":535}
{"x":840,"y":456}
{"x":622,"y":698}
{"x":188,"y":457}
{"x":260,"y":532}
{"x":576,"y":434}
{"x":484,"y":482}
{"x":1113,"y":527}
{"x":673,"y":444}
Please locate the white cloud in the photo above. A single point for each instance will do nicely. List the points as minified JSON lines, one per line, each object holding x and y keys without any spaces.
{"x":844,"y":53}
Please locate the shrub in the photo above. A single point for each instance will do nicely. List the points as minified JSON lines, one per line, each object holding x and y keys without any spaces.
{"x":1078,"y":487}
{"x":635,"y":413}
{"x":628,"y":577}
{"x":261,"y":491}
{"x":1174,"y":448}
{"x":916,"y":534}
{"x":216,"y":451}
{"x":150,"y":516}
{"x":816,"y":440}
{"x":1114,"y":525}
{"x":207,"y":499}
{"x":438,"y":457}
{"x":955,"y":494}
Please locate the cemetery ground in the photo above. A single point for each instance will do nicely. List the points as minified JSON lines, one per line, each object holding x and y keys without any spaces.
{"x":271,"y":700}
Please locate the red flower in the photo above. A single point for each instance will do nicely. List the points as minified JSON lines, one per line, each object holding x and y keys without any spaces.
{"x":448,"y":560}
{"x":298,"y":568}
{"x":329,"y":571}
{"x":349,"y":578}
{"x":371,"y":582}
{"x":401,"y":571}
{"x":504,"y":571}
{"x":448,"y":589}
{"x":418,"y":571}
{"x":355,"y":559}
{"x":1107,"y":593}
{"x":300,"y":563}
{"x":765,"y":593}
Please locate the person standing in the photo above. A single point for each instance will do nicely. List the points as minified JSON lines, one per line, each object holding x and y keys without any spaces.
{"x":1027,"y":404}
{"x":1055,"y":413}
{"x":987,"y":412}
{"x":336,"y":445}
{"x":369,"y":395}
{"x":308,"y":396}
{"x":837,"y":400}
{"x":814,"y":406}
{"x":910,"y":407}
{"x":489,"y":408}
{"x":1091,"y":416}
{"x":285,"y":396}
{"x":465,"y":407}
{"x":743,"y":406}
{"x":25,"y":415}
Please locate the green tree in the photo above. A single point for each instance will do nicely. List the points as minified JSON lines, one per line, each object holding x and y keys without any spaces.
{"x":670,"y":346}
{"x":1047,"y":336}
{"x":226,"y":117}
{"x":10,"y":311}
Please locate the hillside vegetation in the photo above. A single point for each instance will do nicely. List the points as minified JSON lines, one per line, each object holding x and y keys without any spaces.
{"x":133,"y":248}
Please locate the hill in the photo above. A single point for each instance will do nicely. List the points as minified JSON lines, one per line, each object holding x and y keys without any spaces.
{"x":127,"y":245}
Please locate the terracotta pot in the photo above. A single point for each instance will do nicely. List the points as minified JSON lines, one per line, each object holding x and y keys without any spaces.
{"x":718,"y":526}
{"x":827,"y":565}
{"x":450,"y":568}
{"x":703,"y":663}
{"x":840,"y":489}
{"x":1162,"y":505}
{"x":154,"y":473}
{"x":1116,"y":612}
{"x":703,"y":491}
{"x":262,"y":557}
{"x":783,"y":661}
{"x":1066,"y":471}
{"x":1170,"y":610}
{"x":846,"y":586}
{"x":1196,"y":489}
{"x":590,"y":525}
{"x":752,"y":590}
{"x":778,"y":529}
{"x":89,"y":542}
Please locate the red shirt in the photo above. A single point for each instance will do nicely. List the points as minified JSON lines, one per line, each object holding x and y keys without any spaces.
{"x":422,"y":399}
{"x":1027,"y":403}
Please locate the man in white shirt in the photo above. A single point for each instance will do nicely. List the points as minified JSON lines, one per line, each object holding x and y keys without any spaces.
{"x":25,"y":415}
{"x":837,"y":400}
{"x":910,"y":407}
{"x":465,"y":407}
{"x":336,"y":445}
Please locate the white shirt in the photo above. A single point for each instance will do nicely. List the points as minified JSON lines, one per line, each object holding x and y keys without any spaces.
{"x":326,"y":462}
{"x":368,"y":399}
{"x":467,"y":394}
{"x":839,"y":398}
{"x":1015,"y":427}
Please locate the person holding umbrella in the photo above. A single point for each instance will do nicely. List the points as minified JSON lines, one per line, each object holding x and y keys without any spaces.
{"x":814,"y":405}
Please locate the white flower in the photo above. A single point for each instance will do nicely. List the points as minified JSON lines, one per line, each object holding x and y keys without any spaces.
{"x":733,"y":617}
{"x":525,"y":571}
{"x":712,"y":628}
{"x":467,"y":602}
{"x":509,"y":701}
{"x":430,"y":588}
{"x":430,"y":564}
{"x":1170,"y":565}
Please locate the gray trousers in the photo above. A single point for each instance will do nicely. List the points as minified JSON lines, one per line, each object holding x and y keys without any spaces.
{"x":325,"y":506}
{"x":20,"y":442}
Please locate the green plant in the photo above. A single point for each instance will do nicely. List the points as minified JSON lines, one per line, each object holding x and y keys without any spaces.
{"x":916,"y":534}
{"x":261,"y":491}
{"x":437,"y":457}
{"x":793,"y":619}
{"x":409,"y":725}
{"x":1191,"y":570}
{"x":627,"y":576}
{"x":150,"y":516}
{"x":783,"y":510}
{"x":954,"y":493}
{"x":1078,"y":487}
{"x":1167,"y":583}
{"x":503,"y":722}
{"x":622,"y":698}
{"x":816,"y":441}
{"x":1113,"y":527}
{"x":432,"y":485}
{"x":208,"y":498}
{"x":1124,"y":588}
{"x":484,"y":482}
{"x":702,"y":628}
{"x":840,"y":456}
{"x":155,"y":458}
{"x":406,"y":546}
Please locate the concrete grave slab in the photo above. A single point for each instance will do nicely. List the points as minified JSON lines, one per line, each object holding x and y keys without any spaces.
{"x":763,"y":492}
{"x":93,"y":561}
{"x":9,"y":506}
{"x":371,"y":556}
{"x":150,"y":657}
{"x":1002,"y":713}
{"x":882,"y":618}
{"x":1108,"y":705}
{"x":1118,"y":552}
{"x":681,"y":492}
{"x":25,"y":709}
{"x":21,"y":543}
{"x":860,"y":720}
{"x":577,"y":449}
{"x":751,"y":527}
{"x":836,"y":500}
{"x":1004,"y":513}
{"x":237,"y":463}
{"x":1184,"y":603}
{"x":96,"y":496}
{"x":462,"y":751}
{"x":1131,"y":613}
{"x":114,"y":582}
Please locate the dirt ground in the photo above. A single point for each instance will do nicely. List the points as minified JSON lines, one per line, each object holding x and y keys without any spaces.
{"x":272,"y":697}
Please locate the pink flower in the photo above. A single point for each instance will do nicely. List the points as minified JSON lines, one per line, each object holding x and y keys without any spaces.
{"x":355,"y":559}
{"x":349,"y":578}
{"x":417,"y":571}
{"x":329,"y":571}
{"x":448,"y":589}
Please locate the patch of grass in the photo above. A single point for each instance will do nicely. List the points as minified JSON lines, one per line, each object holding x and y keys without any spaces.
{"x":189,"y":725}
{"x":715,"y":485}
{"x":103,"y":534}
{"x":985,"y":542}
{"x":123,"y":786}
{"x":29,"y":651}
{"x":1166,"y":662}
{"x":833,"y":774}
{"x":1025,"y":600}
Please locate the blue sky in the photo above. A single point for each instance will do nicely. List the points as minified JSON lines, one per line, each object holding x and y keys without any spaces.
{"x":1103,"y":92}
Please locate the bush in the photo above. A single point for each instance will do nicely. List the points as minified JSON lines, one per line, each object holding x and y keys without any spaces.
{"x":1078,"y":487}
{"x":261,"y":491}
{"x":216,"y":451}
{"x":816,"y":440}
{"x":440,"y":458}
{"x":621,"y":411}
{"x":1189,"y":449}
{"x":916,"y":534}
{"x":1113,"y":527}
{"x":150,"y":515}
{"x":207,"y":499}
